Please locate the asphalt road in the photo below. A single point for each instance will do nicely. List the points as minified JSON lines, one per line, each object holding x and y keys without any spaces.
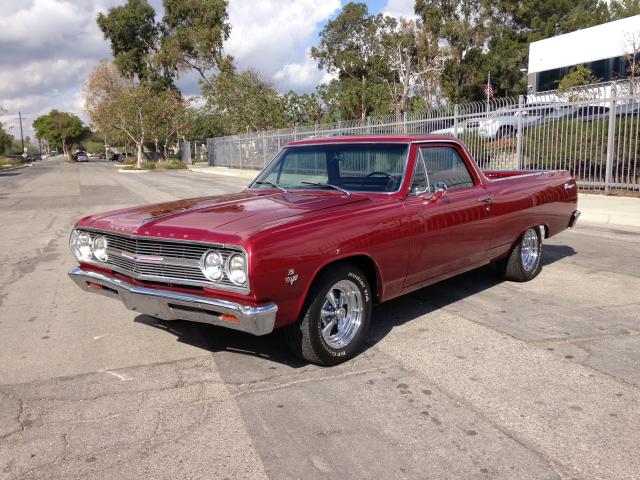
{"x":471,"y":378}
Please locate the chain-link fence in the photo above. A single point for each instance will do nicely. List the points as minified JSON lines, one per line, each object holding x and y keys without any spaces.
{"x":593,"y":132}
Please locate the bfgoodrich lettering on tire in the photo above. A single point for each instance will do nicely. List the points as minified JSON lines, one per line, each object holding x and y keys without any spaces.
{"x":335,"y":318}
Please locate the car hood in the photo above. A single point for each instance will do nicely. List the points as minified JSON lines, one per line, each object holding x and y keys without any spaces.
{"x":212,"y":218}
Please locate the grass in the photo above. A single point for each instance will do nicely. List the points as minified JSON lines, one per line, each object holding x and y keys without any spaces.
{"x":6,"y":163}
{"x":162,"y":165}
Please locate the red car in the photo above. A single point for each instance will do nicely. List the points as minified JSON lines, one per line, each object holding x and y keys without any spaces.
{"x":331,"y":227}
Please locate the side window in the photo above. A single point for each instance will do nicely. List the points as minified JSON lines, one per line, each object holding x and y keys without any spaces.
{"x":419,"y":182}
{"x":444,"y":164}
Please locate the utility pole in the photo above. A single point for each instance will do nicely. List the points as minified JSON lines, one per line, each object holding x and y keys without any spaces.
{"x":21,"y":134}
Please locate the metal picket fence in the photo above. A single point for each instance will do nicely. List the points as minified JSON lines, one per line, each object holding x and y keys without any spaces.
{"x":594,"y":132}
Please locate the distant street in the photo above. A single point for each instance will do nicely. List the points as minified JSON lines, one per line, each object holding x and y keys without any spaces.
{"x":471,"y":378}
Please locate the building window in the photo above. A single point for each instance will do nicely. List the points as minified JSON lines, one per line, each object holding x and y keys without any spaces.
{"x":606,"y":70}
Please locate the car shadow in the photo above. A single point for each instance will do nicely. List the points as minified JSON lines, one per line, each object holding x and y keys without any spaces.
{"x":271,"y":347}
{"x":385,"y":317}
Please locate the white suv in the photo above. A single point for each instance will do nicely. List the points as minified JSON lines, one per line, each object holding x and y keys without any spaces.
{"x":503,"y":123}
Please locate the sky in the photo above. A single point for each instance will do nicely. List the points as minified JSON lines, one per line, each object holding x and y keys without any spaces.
{"x":48,"y":48}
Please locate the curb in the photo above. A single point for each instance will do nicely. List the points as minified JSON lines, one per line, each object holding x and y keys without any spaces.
{"x":122,"y":170}
{"x":246,"y":174}
{"x":18,"y":167}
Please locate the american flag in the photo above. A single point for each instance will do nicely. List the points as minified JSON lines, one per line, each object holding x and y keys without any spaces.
{"x":488,"y":89}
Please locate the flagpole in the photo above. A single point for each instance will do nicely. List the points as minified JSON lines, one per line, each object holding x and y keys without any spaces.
{"x":486,"y":91}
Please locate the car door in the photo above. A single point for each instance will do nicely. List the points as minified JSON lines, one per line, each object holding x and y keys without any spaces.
{"x":454,"y":231}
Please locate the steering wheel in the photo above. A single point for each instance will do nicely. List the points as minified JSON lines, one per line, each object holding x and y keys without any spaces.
{"x":380,"y":173}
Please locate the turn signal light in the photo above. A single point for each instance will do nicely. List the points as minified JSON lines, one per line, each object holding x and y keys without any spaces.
{"x":229,"y":318}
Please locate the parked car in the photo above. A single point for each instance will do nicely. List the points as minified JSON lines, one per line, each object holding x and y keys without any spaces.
{"x":504,"y":123}
{"x":81,"y":157}
{"x":331,"y":227}
{"x":463,"y":126}
{"x":120,"y":157}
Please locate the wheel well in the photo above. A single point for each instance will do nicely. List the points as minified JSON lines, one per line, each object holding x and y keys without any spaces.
{"x":544,"y":230}
{"x":368,"y":267}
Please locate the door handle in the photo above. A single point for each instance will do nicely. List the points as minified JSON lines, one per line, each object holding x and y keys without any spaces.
{"x":486,"y":199}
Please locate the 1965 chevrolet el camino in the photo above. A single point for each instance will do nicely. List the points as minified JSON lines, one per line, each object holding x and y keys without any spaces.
{"x":329,"y":228}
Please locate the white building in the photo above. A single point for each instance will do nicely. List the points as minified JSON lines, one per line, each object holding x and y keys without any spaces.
{"x":600,"y":48}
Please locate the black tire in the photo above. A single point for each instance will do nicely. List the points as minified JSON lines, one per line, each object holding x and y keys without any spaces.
{"x":305,"y":337}
{"x":513,"y":267}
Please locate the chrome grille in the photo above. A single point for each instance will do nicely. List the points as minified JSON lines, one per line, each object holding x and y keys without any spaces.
{"x":172,"y":261}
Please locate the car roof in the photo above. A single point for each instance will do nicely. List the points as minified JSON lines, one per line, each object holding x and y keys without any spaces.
{"x":382,"y":138}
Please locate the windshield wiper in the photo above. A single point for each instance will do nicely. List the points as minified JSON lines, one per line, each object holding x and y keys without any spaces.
{"x":319,"y":184}
{"x":266,"y":182}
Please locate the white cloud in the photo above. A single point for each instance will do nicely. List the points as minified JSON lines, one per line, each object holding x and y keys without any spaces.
{"x":271,"y":34}
{"x":400,"y":8}
{"x":48,"y":47}
{"x":301,"y":76}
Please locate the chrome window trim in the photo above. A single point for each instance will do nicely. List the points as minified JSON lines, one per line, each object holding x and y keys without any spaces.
{"x":244,"y":289}
{"x":419,"y":158}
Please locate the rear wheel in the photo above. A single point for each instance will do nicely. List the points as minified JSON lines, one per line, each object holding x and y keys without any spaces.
{"x":524,"y":261}
{"x":335,"y":319}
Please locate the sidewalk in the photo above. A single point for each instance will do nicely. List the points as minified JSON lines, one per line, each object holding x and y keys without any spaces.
{"x":224,"y":171}
{"x":621,"y":212}
{"x":609,"y":210}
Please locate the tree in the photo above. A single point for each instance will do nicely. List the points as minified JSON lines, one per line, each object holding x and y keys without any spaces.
{"x":577,"y":77}
{"x":133,"y":33}
{"x":624,"y":8}
{"x":60,"y":128}
{"x":414,"y":59}
{"x":304,"y":109}
{"x":194,"y":32}
{"x":132,"y":113}
{"x":205,"y":124}
{"x":462,"y":28}
{"x":632,"y":57}
{"x":513,"y":25}
{"x":350,"y":48}
{"x":245,"y":101}
{"x":6,"y":140}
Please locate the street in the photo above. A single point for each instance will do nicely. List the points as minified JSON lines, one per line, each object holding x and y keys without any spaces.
{"x":470,"y":378}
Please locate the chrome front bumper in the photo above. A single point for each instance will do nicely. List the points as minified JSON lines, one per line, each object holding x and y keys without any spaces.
{"x":168,"y":305}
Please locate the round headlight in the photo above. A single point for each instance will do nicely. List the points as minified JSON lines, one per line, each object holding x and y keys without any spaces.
{"x":212,"y":266}
{"x":237,"y":270}
{"x":81,"y":245}
{"x":99,"y":248}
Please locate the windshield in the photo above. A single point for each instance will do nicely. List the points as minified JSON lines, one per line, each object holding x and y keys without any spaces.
{"x":365,"y":167}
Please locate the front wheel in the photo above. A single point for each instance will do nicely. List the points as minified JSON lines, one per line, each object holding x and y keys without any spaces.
{"x":335,"y":319}
{"x":524,"y":260}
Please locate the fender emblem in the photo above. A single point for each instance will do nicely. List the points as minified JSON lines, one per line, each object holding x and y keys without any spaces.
{"x":291,"y":278}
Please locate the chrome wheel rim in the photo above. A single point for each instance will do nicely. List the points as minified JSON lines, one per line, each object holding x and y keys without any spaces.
{"x":530,"y":250}
{"x":341,"y":314}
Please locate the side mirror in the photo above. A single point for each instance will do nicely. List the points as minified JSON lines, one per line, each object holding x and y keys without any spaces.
{"x":441,"y":191}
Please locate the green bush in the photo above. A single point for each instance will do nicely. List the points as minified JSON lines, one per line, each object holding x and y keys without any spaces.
{"x":149,"y":166}
{"x":172,"y":165}
{"x":10,"y":162}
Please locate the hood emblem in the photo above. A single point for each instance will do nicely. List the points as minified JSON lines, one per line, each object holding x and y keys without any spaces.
{"x":141,"y":258}
{"x":291,"y":278}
